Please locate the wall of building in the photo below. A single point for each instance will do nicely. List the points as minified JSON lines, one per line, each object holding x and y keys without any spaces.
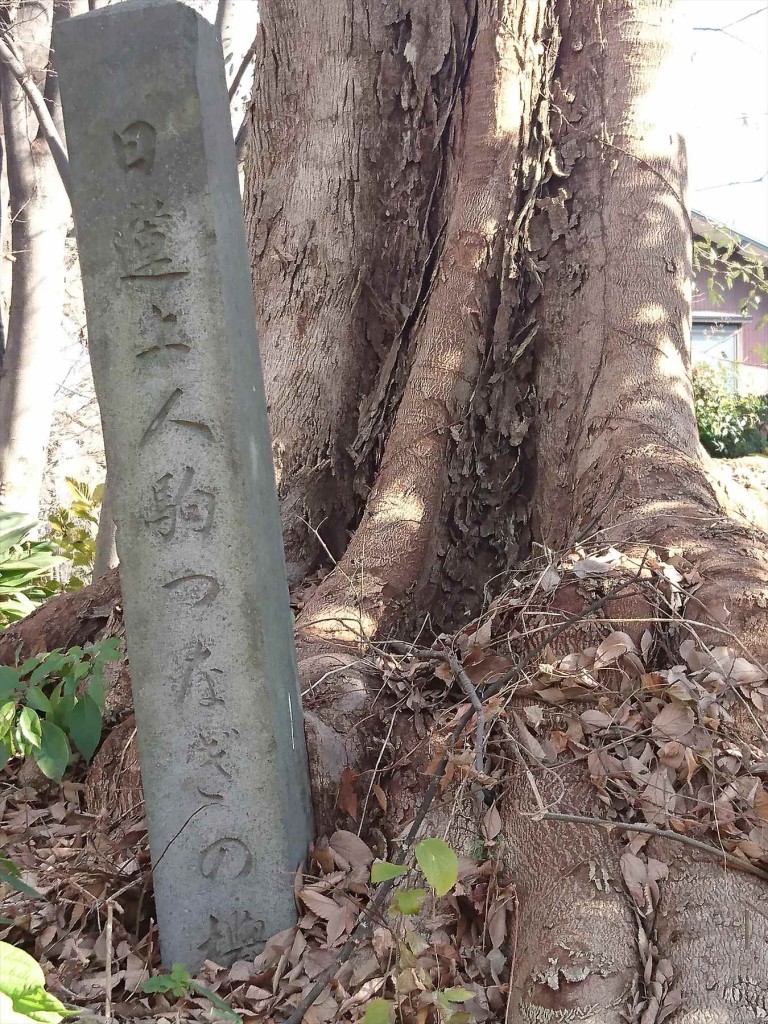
{"x":752,"y":369}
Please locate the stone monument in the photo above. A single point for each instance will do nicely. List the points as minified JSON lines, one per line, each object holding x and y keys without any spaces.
{"x":176,"y":366}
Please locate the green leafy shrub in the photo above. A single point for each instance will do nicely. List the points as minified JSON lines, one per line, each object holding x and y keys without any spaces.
{"x":439,"y":865}
{"x":730,"y":425}
{"x":25,"y":568}
{"x":73,"y":530}
{"x":53,"y":703}
{"x":180,"y":983}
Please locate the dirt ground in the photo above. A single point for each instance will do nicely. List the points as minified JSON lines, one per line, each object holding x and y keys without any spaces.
{"x":744,"y":484}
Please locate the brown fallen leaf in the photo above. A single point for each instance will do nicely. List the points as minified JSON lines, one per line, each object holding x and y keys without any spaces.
{"x":321,"y":905}
{"x":352,"y":848}
{"x":347,"y":798}
{"x":491,"y":823}
{"x":674,"y":722}
{"x":615,"y":646}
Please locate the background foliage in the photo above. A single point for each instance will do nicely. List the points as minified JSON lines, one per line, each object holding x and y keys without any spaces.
{"x":730,"y":425}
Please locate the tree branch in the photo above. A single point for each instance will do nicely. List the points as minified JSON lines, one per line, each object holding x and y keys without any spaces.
{"x":242,"y":69}
{"x":15,"y":65}
{"x":661,"y":833}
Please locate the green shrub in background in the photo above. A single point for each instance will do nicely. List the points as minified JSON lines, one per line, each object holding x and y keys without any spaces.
{"x":25,"y":568}
{"x":730,"y":425}
{"x":52,"y":704}
{"x":73,"y":530}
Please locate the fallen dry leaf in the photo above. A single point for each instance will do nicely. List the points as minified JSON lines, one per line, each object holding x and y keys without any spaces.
{"x":352,"y":848}
{"x":347,"y":798}
{"x":615,"y":646}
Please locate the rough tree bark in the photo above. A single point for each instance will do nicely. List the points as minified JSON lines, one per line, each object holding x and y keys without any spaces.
{"x":561,"y":115}
{"x":615,"y":425}
{"x":349,"y":171}
{"x":471,"y":261}
{"x":40,"y":216}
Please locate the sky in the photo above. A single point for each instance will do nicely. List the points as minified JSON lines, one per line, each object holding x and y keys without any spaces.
{"x":723,"y":73}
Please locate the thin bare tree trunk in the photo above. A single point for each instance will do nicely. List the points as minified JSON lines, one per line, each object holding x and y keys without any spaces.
{"x":106,"y":538}
{"x":4,"y":265}
{"x":40,"y":212}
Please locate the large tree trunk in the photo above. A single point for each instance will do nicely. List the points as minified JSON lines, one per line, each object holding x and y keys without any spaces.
{"x":40,"y":212}
{"x":472,"y":270}
{"x":616,"y":440}
{"x":350,"y":168}
{"x":562,"y":111}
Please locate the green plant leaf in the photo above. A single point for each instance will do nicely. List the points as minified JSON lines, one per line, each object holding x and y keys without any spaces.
{"x":30,"y":727}
{"x":85,"y":726}
{"x":225,"y":1010}
{"x":378,"y":1011}
{"x":35,"y":697}
{"x":61,"y":709}
{"x":22,"y":990}
{"x":439,"y":864}
{"x":53,"y":754}
{"x":409,"y":901}
{"x":7,"y":717}
{"x":177,"y":982}
{"x":11,"y":876}
{"x":9,"y":681}
{"x":107,"y":649}
{"x":96,"y":688}
{"x":382,"y":871}
{"x":14,"y":526}
{"x":456,"y":995}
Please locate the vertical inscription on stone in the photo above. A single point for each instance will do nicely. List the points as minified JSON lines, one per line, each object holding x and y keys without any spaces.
{"x":175,"y":358}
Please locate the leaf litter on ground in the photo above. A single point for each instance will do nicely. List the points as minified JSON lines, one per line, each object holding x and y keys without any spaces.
{"x":666,"y":727}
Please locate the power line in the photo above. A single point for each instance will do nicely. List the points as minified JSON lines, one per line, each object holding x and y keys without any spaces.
{"x":731,"y":184}
{"x":738,"y":21}
{"x":730,"y":24}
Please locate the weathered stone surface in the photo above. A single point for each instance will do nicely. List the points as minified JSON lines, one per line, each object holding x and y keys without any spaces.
{"x":175,"y":359}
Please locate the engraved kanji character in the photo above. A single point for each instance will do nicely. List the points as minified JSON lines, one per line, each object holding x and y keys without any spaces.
{"x":199,"y":426}
{"x":235,"y":938}
{"x":197,"y":672}
{"x":203,"y":590}
{"x":168,"y":337}
{"x":227,"y":857}
{"x":209,"y":755}
{"x":142,"y":242}
{"x":170,"y":503}
{"x":135,"y":146}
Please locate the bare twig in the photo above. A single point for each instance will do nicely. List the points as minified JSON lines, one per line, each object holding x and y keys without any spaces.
{"x":20,"y":72}
{"x":661,"y":833}
{"x":375,"y":771}
{"x":243,"y":68}
{"x":361,"y":930}
{"x":108,"y":966}
{"x":528,"y":773}
{"x":464,"y":682}
{"x":477,"y":704}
